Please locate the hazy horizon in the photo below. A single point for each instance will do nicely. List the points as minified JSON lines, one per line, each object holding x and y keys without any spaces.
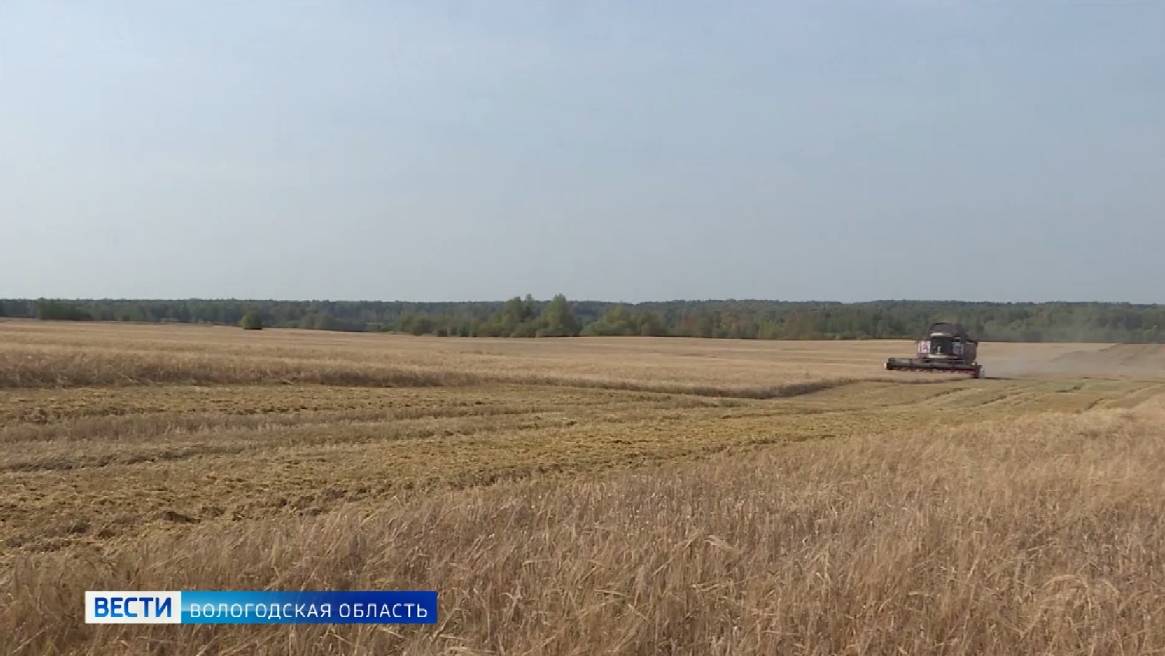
{"x":474,"y":151}
{"x":503,"y":299}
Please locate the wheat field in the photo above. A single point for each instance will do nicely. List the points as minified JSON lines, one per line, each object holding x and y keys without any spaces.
{"x":582,"y":496}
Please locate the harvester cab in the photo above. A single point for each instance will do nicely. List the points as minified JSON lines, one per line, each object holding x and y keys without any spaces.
{"x":946,"y":348}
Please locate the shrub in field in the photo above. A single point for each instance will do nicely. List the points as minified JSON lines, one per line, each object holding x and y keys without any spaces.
{"x":558,"y":319}
{"x":252,"y":321}
{"x":417,"y":324}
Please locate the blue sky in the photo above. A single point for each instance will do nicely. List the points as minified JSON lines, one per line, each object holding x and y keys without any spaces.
{"x":617,"y":151}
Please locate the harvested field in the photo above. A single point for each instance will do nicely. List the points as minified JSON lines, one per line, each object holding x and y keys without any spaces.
{"x":618,"y":495}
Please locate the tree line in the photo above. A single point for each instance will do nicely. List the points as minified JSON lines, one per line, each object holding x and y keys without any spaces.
{"x":559,"y":317}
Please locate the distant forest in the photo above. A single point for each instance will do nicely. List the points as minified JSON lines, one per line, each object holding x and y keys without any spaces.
{"x":742,"y":319}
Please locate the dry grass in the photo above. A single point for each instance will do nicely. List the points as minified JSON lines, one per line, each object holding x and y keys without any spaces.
{"x":578,"y":496}
{"x":1041,"y":535}
{"x":35,"y":354}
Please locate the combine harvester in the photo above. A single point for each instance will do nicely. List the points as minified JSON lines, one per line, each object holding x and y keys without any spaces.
{"x":946,"y":348}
